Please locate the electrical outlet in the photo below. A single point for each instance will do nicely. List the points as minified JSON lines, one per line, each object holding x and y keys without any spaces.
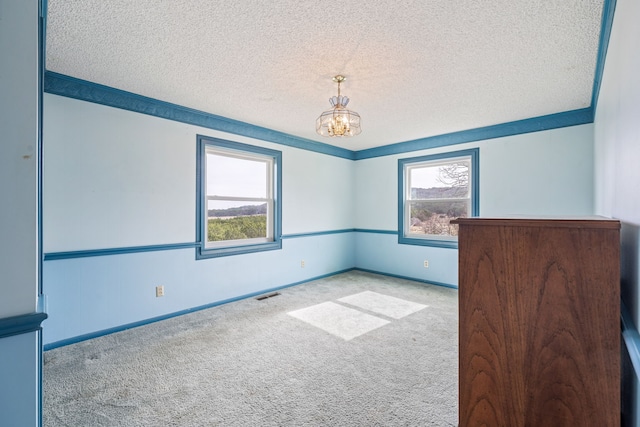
{"x":426,"y":263}
{"x":160,"y":291}
{"x":302,"y":264}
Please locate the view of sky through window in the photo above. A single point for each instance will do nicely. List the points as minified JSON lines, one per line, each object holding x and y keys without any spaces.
{"x":232,"y":176}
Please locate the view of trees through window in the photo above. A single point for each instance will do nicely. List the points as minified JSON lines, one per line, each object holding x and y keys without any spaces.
{"x":438,"y":194}
{"x":242,"y":222}
{"x":239,"y":196}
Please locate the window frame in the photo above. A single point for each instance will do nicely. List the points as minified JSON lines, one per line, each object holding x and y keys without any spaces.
{"x":405,"y":165}
{"x":273,"y":158}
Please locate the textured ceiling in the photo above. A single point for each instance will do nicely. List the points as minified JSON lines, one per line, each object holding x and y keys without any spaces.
{"x":414,"y":68}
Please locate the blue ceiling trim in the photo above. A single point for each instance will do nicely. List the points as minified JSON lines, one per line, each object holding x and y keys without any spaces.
{"x":71,"y":87}
{"x":608,"y":11}
{"x":60,"y":84}
{"x":534,"y":124}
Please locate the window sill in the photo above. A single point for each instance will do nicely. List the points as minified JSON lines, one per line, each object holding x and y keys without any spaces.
{"x":435,"y":243}
{"x":204,"y":253}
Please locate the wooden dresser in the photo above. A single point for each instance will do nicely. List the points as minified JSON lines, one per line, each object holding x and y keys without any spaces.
{"x":539,"y":332}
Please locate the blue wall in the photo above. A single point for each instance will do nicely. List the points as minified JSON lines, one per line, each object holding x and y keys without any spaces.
{"x":119,"y":181}
{"x":20,"y":384}
{"x":541,"y":173}
{"x":617,"y":175}
{"x":92,"y":294}
{"x":20,"y":345}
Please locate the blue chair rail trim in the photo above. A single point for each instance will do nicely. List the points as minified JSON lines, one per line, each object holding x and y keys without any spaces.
{"x":22,"y":324}
{"x":71,"y":87}
{"x":52,"y":256}
{"x":534,"y":124}
{"x":318,"y":233}
{"x":97,"y":334}
{"x":631,"y":338}
{"x":344,"y":230}
{"x":368,"y":230}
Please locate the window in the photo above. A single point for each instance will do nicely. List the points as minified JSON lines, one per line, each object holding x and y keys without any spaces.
{"x":238,"y":195}
{"x":433,"y":190}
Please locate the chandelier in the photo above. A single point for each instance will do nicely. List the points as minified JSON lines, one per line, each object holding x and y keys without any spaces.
{"x":338,"y":121}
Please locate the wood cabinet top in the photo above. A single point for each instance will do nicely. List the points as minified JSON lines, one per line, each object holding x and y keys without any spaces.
{"x":542,"y":221}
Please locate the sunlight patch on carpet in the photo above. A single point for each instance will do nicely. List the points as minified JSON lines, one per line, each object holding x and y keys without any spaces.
{"x":338,"y":320}
{"x":393,"y":307}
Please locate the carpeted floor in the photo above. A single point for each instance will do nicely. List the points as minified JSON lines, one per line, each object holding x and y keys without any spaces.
{"x":355,"y":349}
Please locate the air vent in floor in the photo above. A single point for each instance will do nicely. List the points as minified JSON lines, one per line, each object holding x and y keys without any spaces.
{"x":263,"y":297}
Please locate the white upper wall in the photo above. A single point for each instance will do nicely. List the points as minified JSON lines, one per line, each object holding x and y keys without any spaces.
{"x":540,"y":173}
{"x":617,"y":120}
{"x":18,"y":157}
{"x":114,"y":178}
{"x":317,"y":192}
{"x":617,"y":166}
{"x":617,"y":147}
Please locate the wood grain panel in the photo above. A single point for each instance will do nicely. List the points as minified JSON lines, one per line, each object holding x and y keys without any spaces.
{"x":539,"y":324}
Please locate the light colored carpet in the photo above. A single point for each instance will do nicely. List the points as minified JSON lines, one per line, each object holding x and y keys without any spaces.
{"x":340,"y":321}
{"x":395,"y":308}
{"x":253,"y":363}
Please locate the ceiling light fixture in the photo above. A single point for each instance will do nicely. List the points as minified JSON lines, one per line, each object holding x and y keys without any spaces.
{"x":338,"y":121}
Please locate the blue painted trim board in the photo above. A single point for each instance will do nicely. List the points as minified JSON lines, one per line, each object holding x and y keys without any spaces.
{"x":42,"y":25}
{"x":608,"y":12}
{"x":21,"y":324}
{"x":40,"y":373}
{"x":53,"y":256}
{"x":368,"y":230}
{"x":397,"y":276}
{"x":71,"y":87}
{"x":42,"y":46}
{"x":317,"y":233}
{"x":534,"y":124}
{"x":631,"y":338}
{"x":103,"y":332}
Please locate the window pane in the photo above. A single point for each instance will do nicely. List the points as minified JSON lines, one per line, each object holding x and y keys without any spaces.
{"x":433,"y":217}
{"x":433,"y":190}
{"x":445,"y":181}
{"x":236,"y":220}
{"x":231,"y":176}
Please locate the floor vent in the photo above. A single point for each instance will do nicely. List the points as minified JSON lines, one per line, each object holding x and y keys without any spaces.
{"x":263,"y":297}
